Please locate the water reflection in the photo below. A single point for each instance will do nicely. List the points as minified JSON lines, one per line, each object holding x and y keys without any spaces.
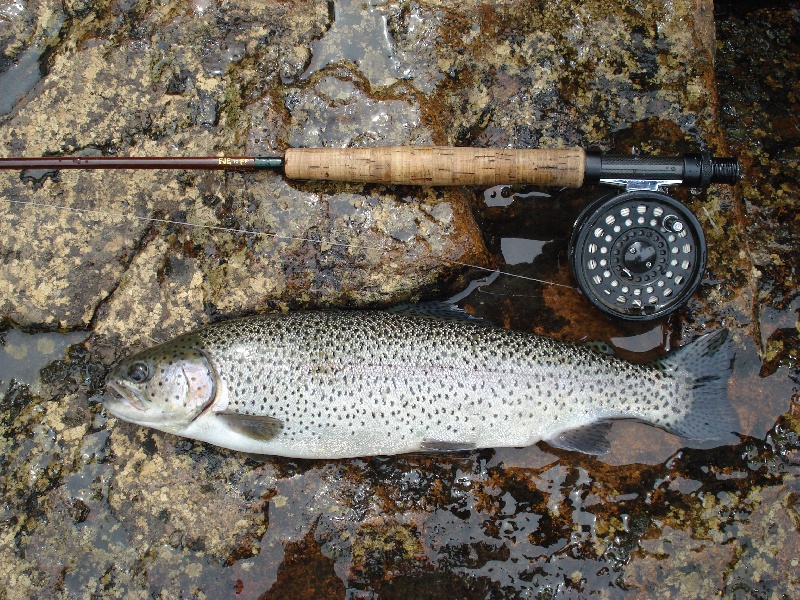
{"x":503,"y":195}
{"x":643,"y":342}
{"x":358,"y":33}
{"x":19,"y":79}
{"x":23,"y":356}
{"x":520,"y":250}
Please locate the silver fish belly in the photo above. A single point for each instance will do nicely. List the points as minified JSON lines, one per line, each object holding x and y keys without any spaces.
{"x":335,"y":384}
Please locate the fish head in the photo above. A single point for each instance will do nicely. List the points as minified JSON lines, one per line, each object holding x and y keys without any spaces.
{"x":165,"y":387}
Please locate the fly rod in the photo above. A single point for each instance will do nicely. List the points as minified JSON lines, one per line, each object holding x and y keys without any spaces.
{"x":432,"y":165}
{"x":637,"y":254}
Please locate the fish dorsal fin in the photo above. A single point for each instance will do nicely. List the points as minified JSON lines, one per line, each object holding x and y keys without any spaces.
{"x":443,"y":311}
{"x":252,"y":426}
{"x":601,"y":347}
{"x":589,"y":439}
{"x":440,"y":446}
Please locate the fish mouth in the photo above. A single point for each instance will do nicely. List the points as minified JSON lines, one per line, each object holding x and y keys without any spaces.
{"x":126,"y":398}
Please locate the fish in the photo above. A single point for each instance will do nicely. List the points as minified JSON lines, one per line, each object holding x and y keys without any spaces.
{"x":332,"y":384}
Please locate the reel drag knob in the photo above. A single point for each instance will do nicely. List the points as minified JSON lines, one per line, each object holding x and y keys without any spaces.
{"x":638,"y":255}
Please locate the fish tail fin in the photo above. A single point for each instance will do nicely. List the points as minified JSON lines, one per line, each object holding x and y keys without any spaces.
{"x":705,"y":365}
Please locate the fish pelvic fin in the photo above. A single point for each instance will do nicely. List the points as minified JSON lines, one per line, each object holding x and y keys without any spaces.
{"x":705,"y":365}
{"x":589,"y":439}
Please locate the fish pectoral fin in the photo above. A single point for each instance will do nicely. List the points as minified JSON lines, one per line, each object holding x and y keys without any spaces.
{"x":589,"y":439}
{"x":439,"y":446}
{"x":253,"y":426}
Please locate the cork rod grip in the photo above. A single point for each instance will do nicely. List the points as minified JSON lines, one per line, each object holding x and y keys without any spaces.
{"x":438,"y":165}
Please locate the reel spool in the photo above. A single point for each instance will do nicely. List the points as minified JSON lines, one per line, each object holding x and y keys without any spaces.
{"x":637,"y":255}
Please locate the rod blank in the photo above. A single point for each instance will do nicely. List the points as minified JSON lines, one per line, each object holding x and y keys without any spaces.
{"x":115,"y":162}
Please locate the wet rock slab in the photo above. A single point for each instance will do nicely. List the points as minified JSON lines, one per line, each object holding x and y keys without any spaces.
{"x":96,"y":507}
{"x":191,"y":79}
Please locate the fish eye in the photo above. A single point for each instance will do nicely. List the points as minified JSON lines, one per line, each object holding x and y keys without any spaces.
{"x":139,"y":372}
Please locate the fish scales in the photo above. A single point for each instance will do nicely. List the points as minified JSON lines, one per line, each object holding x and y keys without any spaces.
{"x":333,"y":384}
{"x":386,"y":381}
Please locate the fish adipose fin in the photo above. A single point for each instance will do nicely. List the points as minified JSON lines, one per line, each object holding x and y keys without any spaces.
{"x":252,"y":426}
{"x":590,"y":439}
{"x":600,"y":347}
{"x":706,"y":365}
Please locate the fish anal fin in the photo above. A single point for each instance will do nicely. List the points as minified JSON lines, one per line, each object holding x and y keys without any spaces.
{"x":252,"y":426}
{"x":440,"y":446}
{"x":589,"y":439}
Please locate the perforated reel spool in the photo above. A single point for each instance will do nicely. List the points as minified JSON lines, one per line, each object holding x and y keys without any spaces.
{"x":637,"y":255}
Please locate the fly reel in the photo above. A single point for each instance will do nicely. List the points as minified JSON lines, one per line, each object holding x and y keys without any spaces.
{"x":640,"y":254}
{"x":637,"y":255}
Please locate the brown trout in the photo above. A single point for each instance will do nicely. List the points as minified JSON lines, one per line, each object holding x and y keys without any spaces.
{"x":335,"y":384}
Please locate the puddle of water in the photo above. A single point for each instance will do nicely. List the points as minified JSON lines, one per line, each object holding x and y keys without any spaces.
{"x":642,"y":342}
{"x":221,"y":55}
{"x":19,"y":79}
{"x":23,"y":355}
{"x":358,"y":34}
{"x":504,"y":195}
{"x":520,"y":250}
{"x":772,"y":319}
